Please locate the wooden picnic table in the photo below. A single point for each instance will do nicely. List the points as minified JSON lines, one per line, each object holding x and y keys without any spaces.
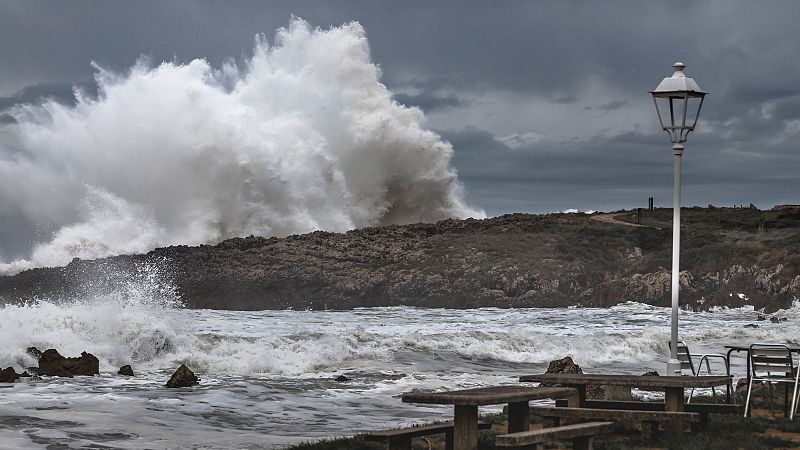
{"x":466,"y":402}
{"x":673,"y":385}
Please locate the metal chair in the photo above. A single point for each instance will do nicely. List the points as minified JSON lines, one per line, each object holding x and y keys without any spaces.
{"x":772,"y":363}
{"x":687,"y":362}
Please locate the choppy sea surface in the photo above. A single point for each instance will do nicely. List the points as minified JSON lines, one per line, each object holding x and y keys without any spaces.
{"x":268,"y":377}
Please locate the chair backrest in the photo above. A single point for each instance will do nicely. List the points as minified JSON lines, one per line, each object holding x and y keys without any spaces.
{"x":771,"y":360}
{"x":684,"y":356}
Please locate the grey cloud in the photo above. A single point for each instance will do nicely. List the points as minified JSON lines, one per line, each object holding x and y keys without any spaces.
{"x":617,"y":104}
{"x":429,"y":102}
{"x":439,"y":54}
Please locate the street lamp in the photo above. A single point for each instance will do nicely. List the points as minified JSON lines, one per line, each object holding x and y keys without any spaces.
{"x":683,"y":98}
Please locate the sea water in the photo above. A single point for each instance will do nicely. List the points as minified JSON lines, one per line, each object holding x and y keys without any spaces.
{"x":268,"y":376}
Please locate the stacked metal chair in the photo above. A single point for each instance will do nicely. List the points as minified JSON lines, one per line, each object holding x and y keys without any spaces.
{"x":772,"y":363}
{"x":687,"y":363}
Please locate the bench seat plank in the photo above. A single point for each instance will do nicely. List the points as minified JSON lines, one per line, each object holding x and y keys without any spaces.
{"x":614,"y":414}
{"x":553,"y":434}
{"x":417,"y":431}
{"x":703,"y":408}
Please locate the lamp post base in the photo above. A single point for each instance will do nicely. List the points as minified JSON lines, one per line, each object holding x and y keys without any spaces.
{"x":673,"y":367}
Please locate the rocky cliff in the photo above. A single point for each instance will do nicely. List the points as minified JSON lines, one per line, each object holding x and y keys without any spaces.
{"x":729,"y":257}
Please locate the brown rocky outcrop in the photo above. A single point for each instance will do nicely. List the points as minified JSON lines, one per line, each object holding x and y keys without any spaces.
{"x":51,"y":363}
{"x":183,"y":377}
{"x":567,"y":365}
{"x":8,"y":375}
{"x":729,"y":257}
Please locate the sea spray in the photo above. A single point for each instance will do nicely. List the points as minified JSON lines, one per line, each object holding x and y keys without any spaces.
{"x":300,"y":136}
{"x":120,"y":314}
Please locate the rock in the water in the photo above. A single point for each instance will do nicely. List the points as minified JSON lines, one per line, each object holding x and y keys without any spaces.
{"x":341,"y":379}
{"x":563,"y":365}
{"x":567,"y":365}
{"x":126,"y":370}
{"x":51,"y":363}
{"x":650,"y":373}
{"x":8,"y":375}
{"x":761,"y":317}
{"x":183,"y":377}
{"x":34,"y":352}
{"x":751,"y":325}
{"x":24,"y":374}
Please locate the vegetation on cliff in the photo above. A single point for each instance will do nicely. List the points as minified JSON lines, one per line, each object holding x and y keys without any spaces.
{"x":730,"y":257}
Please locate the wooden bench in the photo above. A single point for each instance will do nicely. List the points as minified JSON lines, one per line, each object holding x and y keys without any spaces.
{"x":704,"y":409}
{"x":581,"y":435}
{"x":649,"y":419}
{"x":400,"y":438}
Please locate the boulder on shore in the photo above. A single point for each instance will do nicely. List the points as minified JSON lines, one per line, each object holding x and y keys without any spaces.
{"x":567,"y":365}
{"x":563,"y":365}
{"x":8,"y":375}
{"x":183,"y":377}
{"x":341,"y":379}
{"x":126,"y":370}
{"x":51,"y":363}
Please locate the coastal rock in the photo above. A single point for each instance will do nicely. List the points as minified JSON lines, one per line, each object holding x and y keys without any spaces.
{"x":567,"y":365}
{"x":341,"y":379}
{"x":8,"y":375}
{"x":751,"y":325}
{"x":515,"y":260}
{"x":183,"y":377}
{"x":126,"y":370}
{"x":52,"y":364}
{"x":563,"y":365}
{"x":650,"y":373}
{"x":34,"y":352}
{"x":761,"y":317}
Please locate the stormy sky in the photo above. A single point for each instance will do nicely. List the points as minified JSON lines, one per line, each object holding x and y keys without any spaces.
{"x":545,"y":103}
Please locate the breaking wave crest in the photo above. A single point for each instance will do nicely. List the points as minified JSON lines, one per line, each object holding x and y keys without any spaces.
{"x":300,"y":136}
{"x":153,"y":335}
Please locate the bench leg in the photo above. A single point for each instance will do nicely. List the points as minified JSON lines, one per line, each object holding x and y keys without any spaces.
{"x":519,"y":417}
{"x":582,"y":443}
{"x":649,"y":430}
{"x":448,"y":440}
{"x":465,"y":429}
{"x":400,"y":443}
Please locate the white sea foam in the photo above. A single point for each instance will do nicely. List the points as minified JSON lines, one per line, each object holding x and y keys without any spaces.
{"x":300,"y":136}
{"x":155,"y":336}
{"x":269,"y":374}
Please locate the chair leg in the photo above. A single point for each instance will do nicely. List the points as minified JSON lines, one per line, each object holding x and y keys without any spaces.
{"x":749,"y":393}
{"x":583,"y":443}
{"x":785,"y":399}
{"x":691,"y":394}
{"x":794,"y":402}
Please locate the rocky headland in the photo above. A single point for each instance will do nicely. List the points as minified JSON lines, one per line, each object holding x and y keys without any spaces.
{"x":730,"y":257}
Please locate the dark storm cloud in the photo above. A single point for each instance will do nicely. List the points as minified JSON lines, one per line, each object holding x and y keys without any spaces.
{"x":441,"y":56}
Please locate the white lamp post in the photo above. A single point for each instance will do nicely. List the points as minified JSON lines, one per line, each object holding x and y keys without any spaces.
{"x":684,"y":98}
